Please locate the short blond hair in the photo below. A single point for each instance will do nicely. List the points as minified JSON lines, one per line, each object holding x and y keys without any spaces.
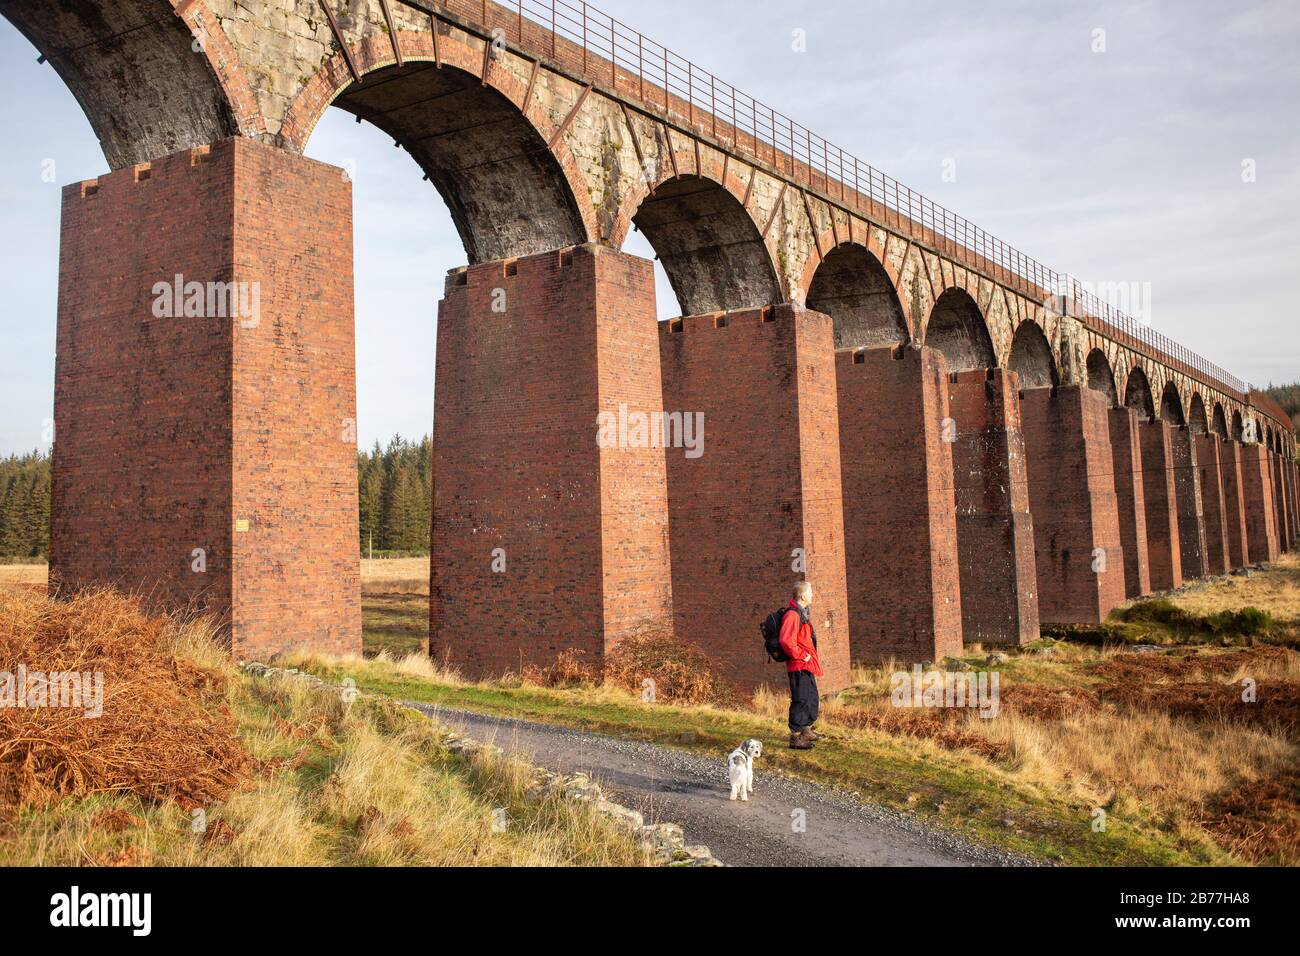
{"x":801,"y":589}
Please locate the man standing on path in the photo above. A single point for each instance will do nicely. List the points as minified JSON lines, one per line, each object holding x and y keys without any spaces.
{"x":799,"y":643}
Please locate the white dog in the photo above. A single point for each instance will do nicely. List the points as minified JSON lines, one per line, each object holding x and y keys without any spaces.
{"x":740,"y":768}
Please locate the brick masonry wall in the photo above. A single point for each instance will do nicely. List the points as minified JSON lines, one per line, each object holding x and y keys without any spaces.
{"x":1292,"y":479}
{"x":1209,"y":458}
{"x":1072,"y":497}
{"x":1285,"y":466}
{"x":1261,"y":532}
{"x":1235,"y":504}
{"x":172,"y":431}
{"x":899,"y":505}
{"x":1274,"y":478}
{"x":1288,"y":479}
{"x":297,"y":569}
{"x":520,"y":469}
{"x":1288,"y":502}
{"x":1290,"y":472}
{"x":995,"y":532}
{"x":1130,"y":500}
{"x":767,"y":483}
{"x":1163,"y":547}
{"x":1280,"y":507}
{"x":141,"y":471}
{"x":1187,"y":496}
{"x":636,"y":562}
{"x":821,"y":476}
{"x":1285,"y":492}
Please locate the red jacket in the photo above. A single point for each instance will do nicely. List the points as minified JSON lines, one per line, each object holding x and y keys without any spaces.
{"x":797,"y":642}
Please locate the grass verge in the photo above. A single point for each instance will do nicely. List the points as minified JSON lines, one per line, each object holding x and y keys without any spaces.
{"x":954,"y":789}
{"x":305,"y":778}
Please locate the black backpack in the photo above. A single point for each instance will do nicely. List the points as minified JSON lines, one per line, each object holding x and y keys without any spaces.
{"x":770,"y":628}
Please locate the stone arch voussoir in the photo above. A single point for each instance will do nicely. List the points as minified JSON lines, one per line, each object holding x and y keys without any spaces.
{"x":1029,"y":333}
{"x":686,"y":165}
{"x":375,"y":52}
{"x":683,"y":166}
{"x":224,"y":63}
{"x":827,"y":242}
{"x":166,"y":80}
{"x":957,"y":279}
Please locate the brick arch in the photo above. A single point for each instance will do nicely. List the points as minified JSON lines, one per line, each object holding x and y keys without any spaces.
{"x":1219,"y":421}
{"x":883,"y":282}
{"x":1172,"y":409}
{"x":830,"y":240}
{"x":1032,"y":356}
{"x":1198,"y":420}
{"x":959,"y":328}
{"x":1100,"y":376}
{"x":1050,"y":322}
{"x":1230,"y":408}
{"x":224,"y":62}
{"x":1160,"y":380}
{"x":711,"y":247}
{"x":999,"y":323}
{"x":683,"y":162}
{"x":753,"y":281}
{"x":375,"y":53}
{"x":146,"y":91}
{"x":1137,"y":392}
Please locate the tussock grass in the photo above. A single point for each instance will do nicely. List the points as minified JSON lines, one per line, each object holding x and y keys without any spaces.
{"x":1236,"y":609}
{"x":1160,"y":735}
{"x":22,"y":577}
{"x":424,"y":666}
{"x":1275,"y":592}
{"x":395,"y":575}
{"x":395,"y":612}
{"x":1180,"y":623}
{"x":1163,"y":741}
{"x":370,"y":783}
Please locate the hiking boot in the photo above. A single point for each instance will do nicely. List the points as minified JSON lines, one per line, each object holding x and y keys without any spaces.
{"x":812,"y":734}
{"x":801,"y":741}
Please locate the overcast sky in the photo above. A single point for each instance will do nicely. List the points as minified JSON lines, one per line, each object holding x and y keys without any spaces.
{"x":1120,"y":166}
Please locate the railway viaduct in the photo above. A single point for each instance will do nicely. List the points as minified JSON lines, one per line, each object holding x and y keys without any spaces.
{"x":951,"y":441}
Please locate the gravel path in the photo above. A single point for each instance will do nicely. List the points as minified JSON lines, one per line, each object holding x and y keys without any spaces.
{"x":678,"y":786}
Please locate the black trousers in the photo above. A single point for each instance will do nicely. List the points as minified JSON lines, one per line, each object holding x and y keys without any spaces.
{"x":804,"y":703}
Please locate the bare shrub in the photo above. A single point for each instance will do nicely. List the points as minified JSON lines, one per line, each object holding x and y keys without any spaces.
{"x":681,"y":671}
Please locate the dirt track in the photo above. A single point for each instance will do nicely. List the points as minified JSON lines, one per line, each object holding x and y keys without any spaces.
{"x":690,"y":789}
